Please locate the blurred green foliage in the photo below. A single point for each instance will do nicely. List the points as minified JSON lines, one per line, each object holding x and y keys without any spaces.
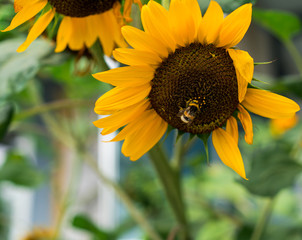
{"x":284,"y":25}
{"x":19,"y":170}
{"x":272,"y":169}
{"x":7,"y":110}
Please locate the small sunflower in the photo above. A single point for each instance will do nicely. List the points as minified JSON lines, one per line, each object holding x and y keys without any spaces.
{"x":83,"y":22}
{"x":40,"y":233}
{"x":184,"y":72}
{"x":279,"y":126}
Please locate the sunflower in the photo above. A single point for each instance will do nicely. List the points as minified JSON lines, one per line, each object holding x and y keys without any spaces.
{"x":185,"y":72}
{"x":279,"y":126}
{"x":83,"y":22}
{"x":40,"y":233}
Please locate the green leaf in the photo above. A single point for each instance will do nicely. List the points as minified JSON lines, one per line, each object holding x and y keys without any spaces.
{"x":289,"y":84}
{"x":272,"y":169}
{"x":7,"y":111}
{"x":18,"y":68}
{"x":204,"y":137}
{"x":227,"y":5}
{"x":245,"y":231}
{"x":83,"y":222}
{"x":19,"y":170}
{"x":283,"y":25}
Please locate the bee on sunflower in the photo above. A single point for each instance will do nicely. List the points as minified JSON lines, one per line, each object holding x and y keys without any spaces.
{"x":184,"y":71}
{"x":83,"y":22}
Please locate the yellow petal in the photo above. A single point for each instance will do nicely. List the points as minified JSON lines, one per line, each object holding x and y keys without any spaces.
{"x":105,"y":33}
{"x":37,"y":29}
{"x":228,"y":151}
{"x":247,"y":124}
{"x":130,"y":76}
{"x":27,"y":12}
{"x":269,"y":104}
{"x":141,"y":40}
{"x":91,"y":34}
{"x":151,"y":138}
{"x":19,"y":4}
{"x":64,"y":34}
{"x":244,"y":66}
{"x":78,"y":31}
{"x":127,"y":10}
{"x":235,"y":26}
{"x":183,"y":28}
{"x":143,"y":139}
{"x":194,"y":9}
{"x":122,"y":117}
{"x":112,"y":24}
{"x":155,"y":22}
{"x":210,"y":25}
{"x":135,"y":125}
{"x":232,"y":128}
{"x":136,"y":57}
{"x":119,"y":98}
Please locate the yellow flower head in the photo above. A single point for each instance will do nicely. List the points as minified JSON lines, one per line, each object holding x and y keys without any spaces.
{"x":280,"y":126}
{"x":40,"y":234}
{"x":184,"y":72}
{"x":83,"y":22}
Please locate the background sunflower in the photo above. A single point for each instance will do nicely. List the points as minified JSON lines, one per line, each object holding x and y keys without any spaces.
{"x":82,"y":22}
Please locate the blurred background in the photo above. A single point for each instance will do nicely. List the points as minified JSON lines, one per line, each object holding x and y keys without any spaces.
{"x":53,"y":159}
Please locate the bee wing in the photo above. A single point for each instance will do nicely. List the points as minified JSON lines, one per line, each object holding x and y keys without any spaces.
{"x":180,"y":113}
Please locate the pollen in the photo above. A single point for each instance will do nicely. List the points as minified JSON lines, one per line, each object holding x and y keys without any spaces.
{"x":197,"y":73}
{"x":81,"y":8}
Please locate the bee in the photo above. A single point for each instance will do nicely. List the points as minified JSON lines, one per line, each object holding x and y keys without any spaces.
{"x":188,"y":114}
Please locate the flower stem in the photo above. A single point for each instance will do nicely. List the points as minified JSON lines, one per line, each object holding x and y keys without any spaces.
{"x":56,"y":105}
{"x":171,"y":183}
{"x":68,"y":197}
{"x":294,"y":52}
{"x":263,"y":220}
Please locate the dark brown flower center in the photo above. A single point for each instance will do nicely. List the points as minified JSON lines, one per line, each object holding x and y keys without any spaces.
{"x":195,"y":88}
{"x":81,"y":8}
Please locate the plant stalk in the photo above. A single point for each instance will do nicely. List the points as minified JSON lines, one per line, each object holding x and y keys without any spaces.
{"x":171,"y":187}
{"x":294,"y":52}
{"x":263,"y":220}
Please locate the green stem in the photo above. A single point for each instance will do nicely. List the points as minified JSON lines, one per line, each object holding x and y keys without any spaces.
{"x":171,"y":187}
{"x":56,"y":105}
{"x":178,"y":153}
{"x":68,"y":197}
{"x":294,"y":52}
{"x":263,"y":220}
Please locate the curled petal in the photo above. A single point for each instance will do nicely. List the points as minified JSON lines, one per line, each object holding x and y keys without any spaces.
{"x":244,"y":66}
{"x":232,"y":128}
{"x":247,"y":124}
